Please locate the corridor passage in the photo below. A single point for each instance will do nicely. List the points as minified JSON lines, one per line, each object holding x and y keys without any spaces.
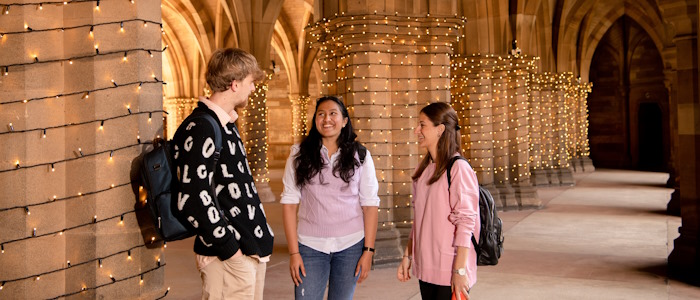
{"x":606,"y":238}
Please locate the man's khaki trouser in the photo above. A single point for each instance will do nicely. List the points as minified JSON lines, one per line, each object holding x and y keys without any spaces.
{"x":242,"y":277}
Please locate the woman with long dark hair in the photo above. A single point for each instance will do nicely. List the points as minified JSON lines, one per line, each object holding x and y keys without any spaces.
{"x":331,"y":180}
{"x":445,"y":216}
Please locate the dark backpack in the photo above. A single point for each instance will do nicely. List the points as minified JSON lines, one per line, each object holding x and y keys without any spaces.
{"x":490,"y":245}
{"x":160,"y":181}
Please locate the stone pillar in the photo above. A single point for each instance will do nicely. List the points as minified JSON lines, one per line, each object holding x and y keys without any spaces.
{"x":518,"y":127}
{"x":386,"y":67}
{"x":254,"y":132}
{"x":561,"y":170}
{"x":471,"y":98}
{"x":685,"y":258}
{"x":674,"y":205}
{"x":300,"y":121}
{"x":537,"y":120}
{"x":580,"y":159}
{"x":501,"y":155}
{"x":69,"y":212}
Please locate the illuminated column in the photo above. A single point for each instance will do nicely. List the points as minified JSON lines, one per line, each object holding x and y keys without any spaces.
{"x":254,"y":132}
{"x":81,"y":93}
{"x":538,"y":118}
{"x":501,"y":155}
{"x":471,"y":98}
{"x":177,"y":110}
{"x":519,"y":131}
{"x":561,"y":173}
{"x":300,"y":106}
{"x":580,"y":160}
{"x":387,"y":67}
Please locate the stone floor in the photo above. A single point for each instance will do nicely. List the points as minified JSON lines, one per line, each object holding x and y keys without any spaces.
{"x":606,"y":238}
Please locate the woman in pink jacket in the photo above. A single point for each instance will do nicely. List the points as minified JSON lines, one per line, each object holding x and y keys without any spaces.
{"x":445,"y":218}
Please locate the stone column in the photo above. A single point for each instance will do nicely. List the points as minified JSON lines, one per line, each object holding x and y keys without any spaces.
{"x":561,"y":170}
{"x":518,"y":127}
{"x":471,"y":98}
{"x":537,"y":120}
{"x":69,"y":212}
{"x":684,"y":259}
{"x":254,"y":132}
{"x":300,"y":121}
{"x":580,"y":160}
{"x":674,"y":205}
{"x":386,"y":67}
{"x":501,"y":155}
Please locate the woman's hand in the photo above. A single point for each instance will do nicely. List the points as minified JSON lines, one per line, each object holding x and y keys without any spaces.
{"x":404,"y":271}
{"x":296,"y":268}
{"x":461,"y":284}
{"x":363,"y":266}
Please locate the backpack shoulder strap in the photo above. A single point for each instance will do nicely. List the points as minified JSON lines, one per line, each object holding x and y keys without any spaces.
{"x":361,"y":152}
{"x":218,"y":139}
{"x":449,"y":169}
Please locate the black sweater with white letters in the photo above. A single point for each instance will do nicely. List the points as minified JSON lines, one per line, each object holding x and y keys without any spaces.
{"x":246,"y":228}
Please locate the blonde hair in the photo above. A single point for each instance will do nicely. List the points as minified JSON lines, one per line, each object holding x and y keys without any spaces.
{"x":227,"y":65}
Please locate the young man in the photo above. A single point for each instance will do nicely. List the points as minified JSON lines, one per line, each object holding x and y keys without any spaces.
{"x":232,"y":249}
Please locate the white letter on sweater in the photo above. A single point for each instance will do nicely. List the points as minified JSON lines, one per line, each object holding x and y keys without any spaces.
{"x":185,"y":175}
{"x":208,"y":148}
{"x":206,"y":199}
{"x":181,"y":199}
{"x":234,"y":190}
{"x":219,"y":232}
{"x":213,"y":215}
{"x":224,"y":170}
{"x":202,"y":171}
{"x":251,"y":211}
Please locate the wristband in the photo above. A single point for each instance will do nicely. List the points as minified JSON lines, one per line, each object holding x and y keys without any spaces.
{"x":290,"y":254}
{"x":368,"y":249}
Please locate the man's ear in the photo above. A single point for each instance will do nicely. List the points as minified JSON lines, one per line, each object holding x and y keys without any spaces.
{"x":234,"y":85}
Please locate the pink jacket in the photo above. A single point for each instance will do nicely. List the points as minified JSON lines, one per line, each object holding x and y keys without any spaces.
{"x":444,"y":220}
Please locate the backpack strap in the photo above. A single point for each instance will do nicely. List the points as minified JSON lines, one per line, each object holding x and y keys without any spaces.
{"x":449,"y":183}
{"x":449,"y":168}
{"x":218,"y":139}
{"x":361,"y":152}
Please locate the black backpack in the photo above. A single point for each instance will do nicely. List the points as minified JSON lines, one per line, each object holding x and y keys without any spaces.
{"x":159,"y":177}
{"x":490,"y":245}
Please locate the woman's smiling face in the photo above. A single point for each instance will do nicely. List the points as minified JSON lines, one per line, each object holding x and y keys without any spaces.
{"x":329,"y":119}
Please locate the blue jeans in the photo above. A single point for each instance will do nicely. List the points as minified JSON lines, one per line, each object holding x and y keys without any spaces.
{"x":335,"y":269}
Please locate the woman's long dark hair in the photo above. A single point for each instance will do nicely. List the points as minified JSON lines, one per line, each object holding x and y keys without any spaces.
{"x":449,"y":142}
{"x":308,"y":162}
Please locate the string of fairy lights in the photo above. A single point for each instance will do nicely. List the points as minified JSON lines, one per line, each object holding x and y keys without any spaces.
{"x":254,"y":131}
{"x":110,"y":269}
{"x":300,"y":107}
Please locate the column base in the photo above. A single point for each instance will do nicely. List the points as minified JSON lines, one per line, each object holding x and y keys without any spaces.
{"x":538,"y":177}
{"x":526,"y":195}
{"x":587,"y":163}
{"x":684,"y":260}
{"x":565,"y":175}
{"x":265,"y":193}
{"x":673,"y":207}
{"x":506,"y":195}
{"x":553,"y":177}
{"x":388,"y":251}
